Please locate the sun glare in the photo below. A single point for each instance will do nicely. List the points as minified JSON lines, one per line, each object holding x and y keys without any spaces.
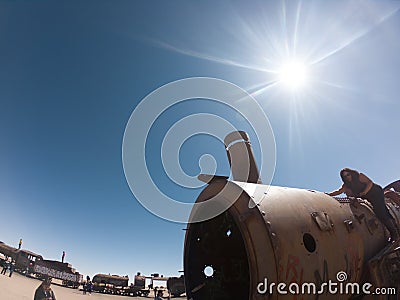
{"x":293,"y":74}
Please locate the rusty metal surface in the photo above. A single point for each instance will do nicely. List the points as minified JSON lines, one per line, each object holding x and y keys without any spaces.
{"x":289,"y":235}
{"x":30,"y":253}
{"x":230,"y":244}
{"x":14,"y":252}
{"x":394,"y":185}
{"x":8,"y":250}
{"x":111,"y":279}
{"x":58,"y":270}
{"x":308,"y":253}
{"x":176,"y":285}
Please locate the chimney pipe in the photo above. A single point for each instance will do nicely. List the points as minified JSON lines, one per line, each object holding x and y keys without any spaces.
{"x":241,"y":157}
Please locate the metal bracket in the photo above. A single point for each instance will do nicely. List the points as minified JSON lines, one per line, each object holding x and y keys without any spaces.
{"x":323,"y":221}
{"x":349,"y":225}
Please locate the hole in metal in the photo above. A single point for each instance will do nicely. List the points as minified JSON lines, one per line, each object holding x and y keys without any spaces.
{"x":208,"y":271}
{"x":309,"y":242}
{"x":216,"y":268}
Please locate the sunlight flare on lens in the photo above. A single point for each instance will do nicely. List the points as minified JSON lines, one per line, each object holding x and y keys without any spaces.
{"x":293,"y":74}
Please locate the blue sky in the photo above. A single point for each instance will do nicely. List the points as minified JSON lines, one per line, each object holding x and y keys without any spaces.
{"x":72,"y":72}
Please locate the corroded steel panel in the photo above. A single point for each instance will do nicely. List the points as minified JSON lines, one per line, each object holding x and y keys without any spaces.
{"x":288,"y":235}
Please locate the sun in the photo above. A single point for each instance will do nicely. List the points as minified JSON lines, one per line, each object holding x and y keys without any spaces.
{"x":293,"y":74}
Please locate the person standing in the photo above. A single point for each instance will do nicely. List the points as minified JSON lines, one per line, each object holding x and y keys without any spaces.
{"x":84,"y":287}
{"x":5,"y":267}
{"x":159,"y":295}
{"x":12,"y":267}
{"x":44,"y":291}
{"x":357,"y":184}
{"x":89,"y":287}
{"x":20,"y":244}
{"x":62,"y":257}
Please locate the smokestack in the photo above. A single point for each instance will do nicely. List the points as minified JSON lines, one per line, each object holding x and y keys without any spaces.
{"x":241,"y":157}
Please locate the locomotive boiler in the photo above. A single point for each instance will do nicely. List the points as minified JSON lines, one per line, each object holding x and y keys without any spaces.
{"x":285,"y":243}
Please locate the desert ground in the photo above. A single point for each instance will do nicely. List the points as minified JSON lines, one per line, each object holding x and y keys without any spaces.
{"x":19,"y":287}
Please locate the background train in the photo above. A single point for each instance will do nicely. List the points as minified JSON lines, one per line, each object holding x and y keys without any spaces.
{"x":32,"y":264}
{"x":23,"y":259}
{"x":118,"y":285}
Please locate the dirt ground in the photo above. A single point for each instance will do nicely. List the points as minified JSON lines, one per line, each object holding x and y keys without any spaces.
{"x":19,"y":287}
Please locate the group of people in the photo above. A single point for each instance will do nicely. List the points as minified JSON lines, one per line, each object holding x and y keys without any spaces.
{"x":9,"y":265}
{"x":358,"y":185}
{"x":43,"y":292}
{"x":87,"y":286}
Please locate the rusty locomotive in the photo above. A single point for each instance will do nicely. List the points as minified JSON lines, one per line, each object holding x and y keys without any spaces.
{"x":274,"y":241}
{"x":118,"y":285}
{"x":32,"y":264}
